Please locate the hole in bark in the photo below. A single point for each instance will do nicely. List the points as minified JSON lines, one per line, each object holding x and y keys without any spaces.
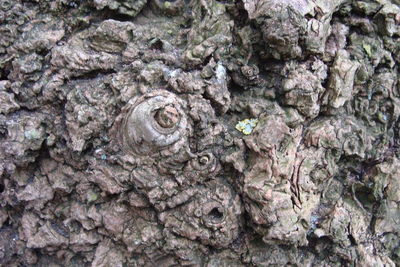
{"x":157,"y":45}
{"x":3,"y":132}
{"x":113,"y":14}
{"x":366,"y":197}
{"x":5,"y":71}
{"x":352,"y":240}
{"x":204,"y":160}
{"x":216,"y":215}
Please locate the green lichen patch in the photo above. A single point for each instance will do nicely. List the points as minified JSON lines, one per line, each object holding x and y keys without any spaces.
{"x":246,"y":126}
{"x":368,"y":49}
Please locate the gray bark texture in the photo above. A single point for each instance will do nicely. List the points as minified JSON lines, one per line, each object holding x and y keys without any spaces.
{"x":199,"y":133}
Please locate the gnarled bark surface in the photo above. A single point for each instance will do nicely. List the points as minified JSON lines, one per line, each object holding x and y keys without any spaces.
{"x":199,"y":133}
